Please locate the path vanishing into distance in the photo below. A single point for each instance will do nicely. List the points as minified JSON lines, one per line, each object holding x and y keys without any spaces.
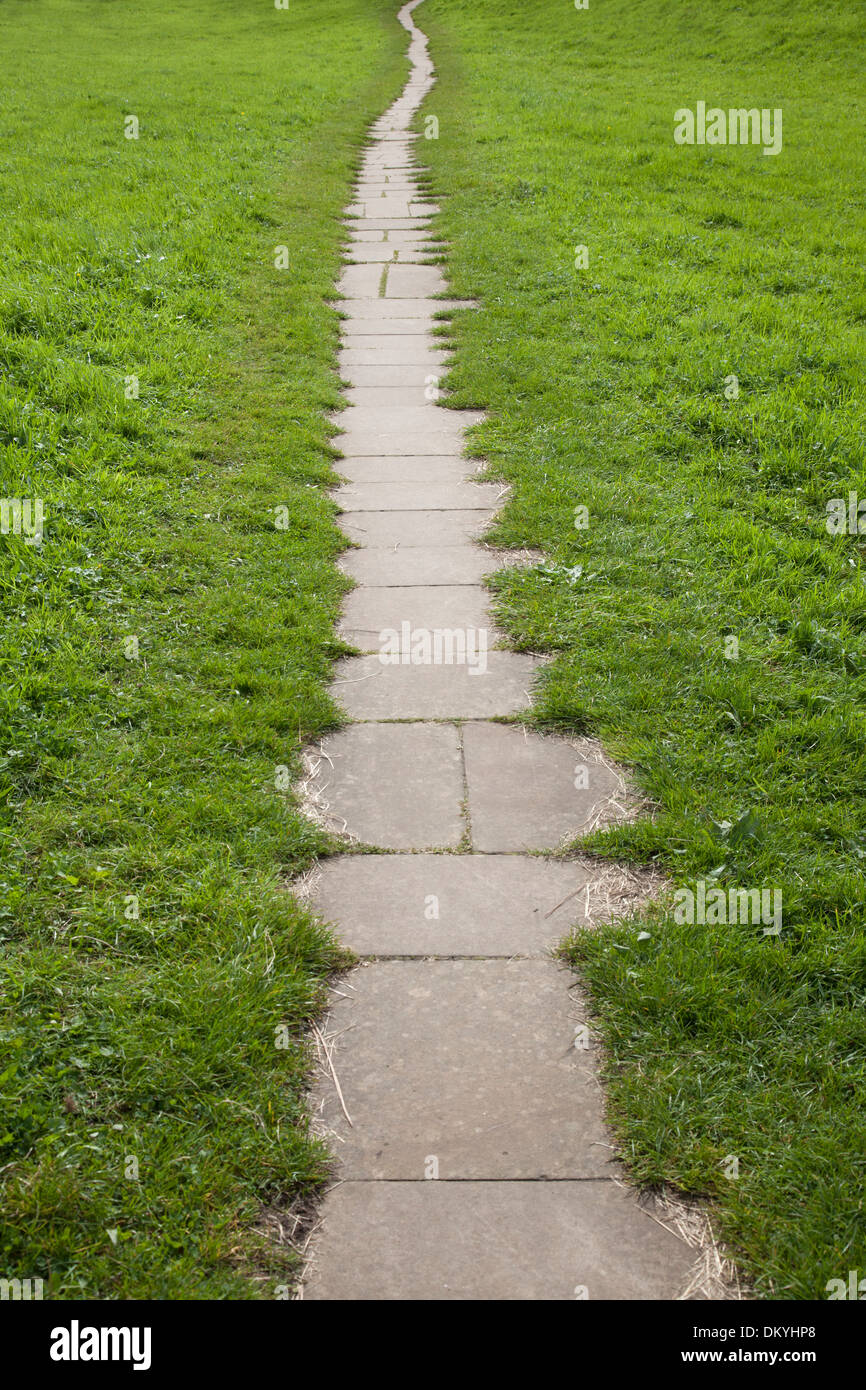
{"x":459,"y":1079}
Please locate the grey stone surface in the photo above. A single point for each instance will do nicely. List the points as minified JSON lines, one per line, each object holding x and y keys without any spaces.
{"x":391,"y":350}
{"x":522,"y":792}
{"x":382,"y":207}
{"x":387,"y":224}
{"x":473,"y":1061}
{"x":398,"y":786}
{"x":453,"y":564}
{"x":413,"y":238}
{"x":406,"y":282}
{"x":485,"y":1241}
{"x":452,"y":904}
{"x":405,"y":430}
{"x":435,"y":470}
{"x":398,"y":376}
{"x":410,"y":530}
{"x":408,"y":419}
{"x":460,"y":1052}
{"x":392,"y":397}
{"x":436,"y":440}
{"x":418,"y":496}
{"x":377,"y":327}
{"x":366,"y":612}
{"x":489,"y":686}
{"x":390,"y":309}
{"x":358,"y":280}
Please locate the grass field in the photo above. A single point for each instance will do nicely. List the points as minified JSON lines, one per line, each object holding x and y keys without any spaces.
{"x":156,"y":975}
{"x":610,"y":388}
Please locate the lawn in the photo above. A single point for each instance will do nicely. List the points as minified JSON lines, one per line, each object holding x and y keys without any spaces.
{"x":691,"y":379}
{"x":166,"y":372}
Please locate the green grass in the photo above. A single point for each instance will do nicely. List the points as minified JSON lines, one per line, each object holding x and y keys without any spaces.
{"x":606,"y":388}
{"x":150,"y":1039}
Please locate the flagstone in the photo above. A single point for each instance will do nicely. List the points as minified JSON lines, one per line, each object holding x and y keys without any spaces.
{"x":398,"y":786}
{"x":387,"y":349}
{"x":408,"y":496}
{"x":425,"y":905}
{"x":462,"y":1050}
{"x":385,"y":377}
{"x":420,"y":565}
{"x":473,"y":1061}
{"x":384,"y":255}
{"x":390,"y":419}
{"x":378,"y":326}
{"x":406,"y":307}
{"x":368,"y":612}
{"x":358,"y":280}
{"x":394,"y":468}
{"x":526,"y":790}
{"x":392,"y":397}
{"x":483,"y":685}
{"x":387,"y":224}
{"x":414,"y":529}
{"x":405,"y":281}
{"x":533,"y":1242}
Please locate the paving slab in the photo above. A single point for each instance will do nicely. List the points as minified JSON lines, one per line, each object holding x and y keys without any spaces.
{"x":395,"y":468}
{"x":387,"y":224}
{"x":440,"y":438}
{"x":455,"y":1044}
{"x":384,"y":350}
{"x":376,"y":186}
{"x":402,"y":172}
{"x":375,"y":181}
{"x":385,"y":207}
{"x":413,"y":529}
{"x":405,"y":307}
{"x":453,"y":904}
{"x":526,"y":790}
{"x":384,"y":327}
{"x":473,"y":1061}
{"x":398,"y":786}
{"x":359,"y":280}
{"x":413,"y":496}
{"x":489,"y":1241}
{"x":384,"y":254}
{"x":416,"y":238}
{"x":367,"y":612}
{"x":474,"y":684}
{"x":406,"y":281}
{"x":394,"y":397}
{"x":392,"y":419}
{"x":361,"y":428}
{"x":453,"y":564}
{"x":404,"y":376}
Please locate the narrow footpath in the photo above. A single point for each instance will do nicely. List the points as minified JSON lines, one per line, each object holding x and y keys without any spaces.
{"x":459,"y":1080}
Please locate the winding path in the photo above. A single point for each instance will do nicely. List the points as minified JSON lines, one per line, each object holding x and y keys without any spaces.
{"x":459,"y":1082}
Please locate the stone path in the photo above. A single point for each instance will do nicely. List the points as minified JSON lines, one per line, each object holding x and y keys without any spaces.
{"x":459,"y":1081}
